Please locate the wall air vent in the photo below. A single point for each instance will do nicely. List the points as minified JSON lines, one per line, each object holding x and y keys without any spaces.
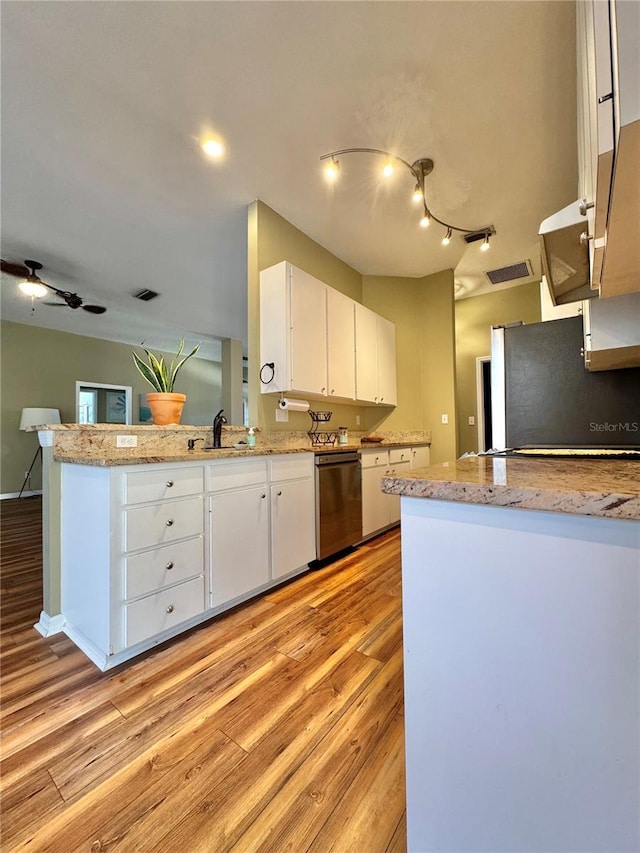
{"x":146,"y":295}
{"x":514,"y":271}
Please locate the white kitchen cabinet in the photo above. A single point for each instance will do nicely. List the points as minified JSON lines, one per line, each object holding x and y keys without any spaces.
{"x":375,"y":358}
{"x":420,"y":457}
{"x":321,"y":343}
{"x":608,"y":51}
{"x":292,"y":489}
{"x":380,"y":510}
{"x":239,"y":543}
{"x":612,"y":332}
{"x":341,"y":347}
{"x":293,"y":331}
{"x":273,"y":501}
{"x":132,"y":542}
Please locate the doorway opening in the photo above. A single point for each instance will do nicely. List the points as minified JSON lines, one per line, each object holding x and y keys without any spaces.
{"x":483,"y":391}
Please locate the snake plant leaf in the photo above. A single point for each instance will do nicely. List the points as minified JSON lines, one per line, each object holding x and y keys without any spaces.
{"x":157,"y":373}
{"x":145,"y":371}
{"x":174,"y":370}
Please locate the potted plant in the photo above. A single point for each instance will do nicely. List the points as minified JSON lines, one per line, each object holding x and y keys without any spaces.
{"x":166,"y":406}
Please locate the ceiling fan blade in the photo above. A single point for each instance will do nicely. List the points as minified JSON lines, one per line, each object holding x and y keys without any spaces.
{"x":94,"y":309}
{"x":15,"y":269}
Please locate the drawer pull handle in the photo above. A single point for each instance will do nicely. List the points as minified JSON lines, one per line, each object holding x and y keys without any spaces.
{"x":170,"y":608}
{"x":169,"y":565}
{"x":278,"y":493}
{"x":169,"y":522}
{"x":169,"y":483}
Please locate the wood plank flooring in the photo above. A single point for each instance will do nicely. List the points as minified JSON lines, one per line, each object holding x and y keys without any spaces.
{"x":276,"y":727}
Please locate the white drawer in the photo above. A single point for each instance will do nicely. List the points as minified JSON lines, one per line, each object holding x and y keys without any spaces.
{"x":373,"y":458}
{"x":153,"y":485}
{"x":399,"y":454}
{"x":149,"y":526}
{"x":291,"y":466}
{"x":153,"y":570}
{"x":157,"y":613}
{"x":237,"y":474}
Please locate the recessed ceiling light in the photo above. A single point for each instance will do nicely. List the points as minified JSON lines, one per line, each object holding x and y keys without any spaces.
{"x":213,"y":148}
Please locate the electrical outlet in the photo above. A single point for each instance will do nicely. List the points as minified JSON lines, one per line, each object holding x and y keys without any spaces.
{"x":445,"y":419}
{"x":357,"y":420}
{"x":472,"y":420}
{"x":282,"y":415}
{"x":126,"y":441}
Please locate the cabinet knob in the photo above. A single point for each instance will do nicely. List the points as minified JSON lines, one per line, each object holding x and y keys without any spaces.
{"x":169,"y":565}
{"x":278,"y":493}
{"x":170,"y":608}
{"x":322,"y":390}
{"x":382,"y":399}
{"x":169,"y":522}
{"x":169,"y":483}
{"x":263,"y":495}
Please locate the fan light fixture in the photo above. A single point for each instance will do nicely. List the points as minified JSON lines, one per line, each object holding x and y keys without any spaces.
{"x":33,"y":288}
{"x":420,"y":169}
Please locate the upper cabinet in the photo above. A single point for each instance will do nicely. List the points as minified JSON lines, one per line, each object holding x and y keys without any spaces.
{"x":341,"y":363}
{"x":612,"y":332}
{"x":609,"y":140}
{"x":375,"y":358}
{"x":293,"y":331}
{"x":319,"y":344}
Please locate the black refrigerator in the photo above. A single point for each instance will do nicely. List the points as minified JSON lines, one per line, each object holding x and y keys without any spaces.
{"x":542,"y":394}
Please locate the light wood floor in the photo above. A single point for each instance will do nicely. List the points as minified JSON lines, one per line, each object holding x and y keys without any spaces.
{"x":276,"y":727}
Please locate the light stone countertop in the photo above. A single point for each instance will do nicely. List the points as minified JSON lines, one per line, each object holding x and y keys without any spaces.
{"x":109,"y":459}
{"x":596,"y":487}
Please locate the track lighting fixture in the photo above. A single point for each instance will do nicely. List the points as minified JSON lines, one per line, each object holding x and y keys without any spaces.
{"x":420,"y":169}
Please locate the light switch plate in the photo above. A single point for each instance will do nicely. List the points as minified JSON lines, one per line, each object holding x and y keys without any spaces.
{"x":472,"y":420}
{"x":445,"y":419}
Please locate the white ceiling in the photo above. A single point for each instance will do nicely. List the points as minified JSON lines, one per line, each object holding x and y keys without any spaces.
{"x":103,"y":180}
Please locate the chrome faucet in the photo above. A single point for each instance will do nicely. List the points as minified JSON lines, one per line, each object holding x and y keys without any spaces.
{"x":217,"y":428}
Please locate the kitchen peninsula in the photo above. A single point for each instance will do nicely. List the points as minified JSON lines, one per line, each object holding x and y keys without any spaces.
{"x":149,"y":525}
{"x":521,"y":613}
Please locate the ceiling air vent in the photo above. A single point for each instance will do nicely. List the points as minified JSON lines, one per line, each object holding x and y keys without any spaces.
{"x":146,"y":295}
{"x":514,"y":271}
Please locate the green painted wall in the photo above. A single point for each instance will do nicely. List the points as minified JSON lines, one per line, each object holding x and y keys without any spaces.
{"x":40,"y":367}
{"x":423,"y":311}
{"x":474,"y":317}
{"x":272,"y":239}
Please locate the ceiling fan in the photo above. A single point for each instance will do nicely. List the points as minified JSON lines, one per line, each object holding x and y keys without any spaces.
{"x":34,"y":286}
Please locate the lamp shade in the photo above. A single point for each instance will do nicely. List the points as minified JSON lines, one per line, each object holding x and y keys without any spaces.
{"x":39,"y":417}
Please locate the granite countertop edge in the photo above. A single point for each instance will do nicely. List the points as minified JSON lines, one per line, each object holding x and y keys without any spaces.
{"x":107,"y":459}
{"x":571,"y":494}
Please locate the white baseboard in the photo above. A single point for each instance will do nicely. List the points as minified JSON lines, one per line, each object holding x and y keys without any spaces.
{"x":50,"y":625}
{"x":7,"y":495}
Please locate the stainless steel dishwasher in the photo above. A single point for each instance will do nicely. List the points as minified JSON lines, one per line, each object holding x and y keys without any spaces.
{"x":338,"y":502}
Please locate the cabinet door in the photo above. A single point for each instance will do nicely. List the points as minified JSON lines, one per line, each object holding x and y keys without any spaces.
{"x":292,"y":526}
{"x":239,"y":524}
{"x":419,"y":457}
{"x":375,"y":504}
{"x":341,"y":345}
{"x":398,"y":469}
{"x":386,"y":355}
{"x":308,"y":333}
{"x":366,"y":354}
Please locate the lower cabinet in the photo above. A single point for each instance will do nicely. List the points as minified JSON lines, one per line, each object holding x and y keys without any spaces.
{"x":149,"y":551}
{"x":262,"y":523}
{"x":380,"y":510}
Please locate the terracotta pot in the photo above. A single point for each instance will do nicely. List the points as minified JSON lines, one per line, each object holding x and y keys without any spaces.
{"x":166,"y":408}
